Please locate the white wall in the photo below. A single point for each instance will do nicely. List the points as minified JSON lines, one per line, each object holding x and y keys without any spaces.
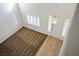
{"x":44,"y":10}
{"x":10,"y":20}
{"x":71,"y":43}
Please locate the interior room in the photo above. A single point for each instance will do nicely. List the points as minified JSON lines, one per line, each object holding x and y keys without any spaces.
{"x":39,"y":29}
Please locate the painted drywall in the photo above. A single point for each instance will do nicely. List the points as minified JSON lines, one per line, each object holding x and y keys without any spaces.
{"x":44,"y":10}
{"x":70,"y":46}
{"x":10,"y":20}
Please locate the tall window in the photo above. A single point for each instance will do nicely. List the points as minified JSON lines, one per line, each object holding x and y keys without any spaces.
{"x":33,"y":20}
{"x":52,"y":21}
{"x":65,"y":27}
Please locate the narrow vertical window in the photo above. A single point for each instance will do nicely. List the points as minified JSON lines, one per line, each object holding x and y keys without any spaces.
{"x":31,"y":20}
{"x":49,"y":24}
{"x":28,"y":19}
{"x":38,"y":21}
{"x":65,"y":27}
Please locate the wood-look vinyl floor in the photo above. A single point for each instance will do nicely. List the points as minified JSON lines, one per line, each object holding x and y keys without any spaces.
{"x":50,"y":47}
{"x":25,"y":42}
